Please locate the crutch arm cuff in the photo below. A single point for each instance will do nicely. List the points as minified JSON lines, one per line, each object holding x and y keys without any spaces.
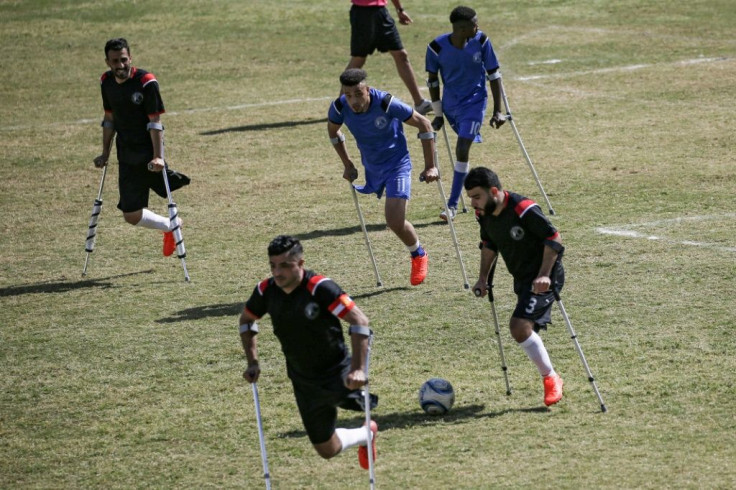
{"x":556,"y":246}
{"x":337,"y":139}
{"x":495,"y":75}
{"x":248,"y":327}
{"x":107,"y":124}
{"x":428,"y":135}
{"x":360,"y":330}
{"x":156,"y":126}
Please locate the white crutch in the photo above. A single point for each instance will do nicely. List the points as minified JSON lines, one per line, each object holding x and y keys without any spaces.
{"x":379,"y":283}
{"x":92,"y":230}
{"x":510,"y":119}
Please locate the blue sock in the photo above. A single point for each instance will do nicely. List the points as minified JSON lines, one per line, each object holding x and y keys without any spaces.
{"x":418,"y":252}
{"x":458,"y":178}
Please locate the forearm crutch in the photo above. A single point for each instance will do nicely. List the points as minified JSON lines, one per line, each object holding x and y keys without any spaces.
{"x":367,"y":403}
{"x":574,"y":338}
{"x":449,"y":155}
{"x":510,"y":119}
{"x":466,"y":285}
{"x":489,"y":289}
{"x":379,"y":283}
{"x":181,"y":251}
{"x":261,"y":438}
{"x":89,"y":245}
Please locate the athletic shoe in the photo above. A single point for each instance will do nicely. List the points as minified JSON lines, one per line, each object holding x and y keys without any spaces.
{"x":419,"y":266}
{"x":453,"y":213}
{"x":169,"y":243}
{"x":552,"y":389}
{"x":424,"y":107}
{"x":363,"y":450}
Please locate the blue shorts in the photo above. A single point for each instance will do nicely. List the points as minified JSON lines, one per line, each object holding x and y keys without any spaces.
{"x":395,"y":182}
{"x":467,"y":120}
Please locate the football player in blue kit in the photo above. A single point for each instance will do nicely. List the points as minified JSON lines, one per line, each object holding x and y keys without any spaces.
{"x":376,"y":120}
{"x":305,"y":310}
{"x":464,"y":59}
{"x":132,"y":104}
{"x":531,"y":247}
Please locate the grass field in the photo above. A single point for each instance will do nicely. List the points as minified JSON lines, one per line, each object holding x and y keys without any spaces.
{"x":131,"y":378}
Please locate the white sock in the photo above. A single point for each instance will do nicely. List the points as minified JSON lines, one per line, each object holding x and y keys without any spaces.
{"x":534,"y":348}
{"x":462,"y":167}
{"x":413,"y":248}
{"x":149,"y":219}
{"x":352,"y":437}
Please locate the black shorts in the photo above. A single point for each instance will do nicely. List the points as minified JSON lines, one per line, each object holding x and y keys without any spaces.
{"x":318,"y":407}
{"x":135,"y":181}
{"x":372,"y":28}
{"x":537,"y":307}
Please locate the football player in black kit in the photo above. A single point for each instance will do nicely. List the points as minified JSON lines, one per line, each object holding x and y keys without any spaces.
{"x":306,"y":309}
{"x":515,"y":227}
{"x":133,"y":108}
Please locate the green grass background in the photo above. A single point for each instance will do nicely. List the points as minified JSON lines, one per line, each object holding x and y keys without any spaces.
{"x":130,"y":378}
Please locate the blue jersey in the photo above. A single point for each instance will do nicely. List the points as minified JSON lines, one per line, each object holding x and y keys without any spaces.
{"x":379,"y":131}
{"x":463,"y":71}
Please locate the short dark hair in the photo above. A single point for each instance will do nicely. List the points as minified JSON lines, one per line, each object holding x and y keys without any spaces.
{"x":352,"y":77}
{"x":117,"y":44}
{"x":460,"y":14}
{"x":283,"y":244}
{"x":482,"y":177}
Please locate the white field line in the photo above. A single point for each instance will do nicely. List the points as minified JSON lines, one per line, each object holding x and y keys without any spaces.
{"x":626,"y":231}
{"x":321,"y":99}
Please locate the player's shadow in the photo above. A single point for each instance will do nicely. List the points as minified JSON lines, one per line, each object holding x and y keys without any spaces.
{"x":354,"y":229}
{"x":64,"y":286}
{"x":205,"y":311}
{"x":402,"y":420}
{"x":262,"y":127}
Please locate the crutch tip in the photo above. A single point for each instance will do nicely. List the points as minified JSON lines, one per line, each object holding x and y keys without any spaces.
{"x":551,"y":211}
{"x":466,"y":285}
{"x":379,"y":284}
{"x":508,"y":393}
{"x":603,"y":408}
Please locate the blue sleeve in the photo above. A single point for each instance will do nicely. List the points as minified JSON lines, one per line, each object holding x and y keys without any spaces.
{"x":399,"y":109}
{"x":431,"y":61}
{"x":489,"y":56}
{"x":334,"y":114}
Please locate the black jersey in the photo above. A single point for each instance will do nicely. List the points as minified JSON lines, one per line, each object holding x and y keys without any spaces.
{"x":518,"y":234}
{"x":130,"y":103}
{"x":307,"y":323}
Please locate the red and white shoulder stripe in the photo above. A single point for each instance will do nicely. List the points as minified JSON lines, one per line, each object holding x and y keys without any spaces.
{"x":523,"y":206}
{"x":262,"y":286}
{"x":148,"y":78}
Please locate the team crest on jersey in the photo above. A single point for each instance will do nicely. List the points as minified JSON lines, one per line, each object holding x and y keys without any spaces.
{"x":477,"y":57}
{"x":517,"y":232}
{"x":381,"y":122}
{"x":136,"y":98}
{"x":311,"y":310}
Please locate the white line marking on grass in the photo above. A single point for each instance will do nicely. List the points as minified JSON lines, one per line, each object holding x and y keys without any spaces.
{"x":625,"y":231}
{"x":320,"y":99}
{"x":620,"y":69}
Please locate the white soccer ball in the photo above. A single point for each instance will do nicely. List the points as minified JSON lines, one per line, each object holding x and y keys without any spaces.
{"x":436,"y":396}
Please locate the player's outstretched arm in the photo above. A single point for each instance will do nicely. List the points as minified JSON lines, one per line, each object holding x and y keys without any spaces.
{"x":337,"y":138}
{"x":426,"y":134}
{"x":359,"y":338}
{"x":248,"y":330}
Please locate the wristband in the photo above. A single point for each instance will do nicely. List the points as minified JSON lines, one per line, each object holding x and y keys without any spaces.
{"x":429,"y":135}
{"x":338,"y":139}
